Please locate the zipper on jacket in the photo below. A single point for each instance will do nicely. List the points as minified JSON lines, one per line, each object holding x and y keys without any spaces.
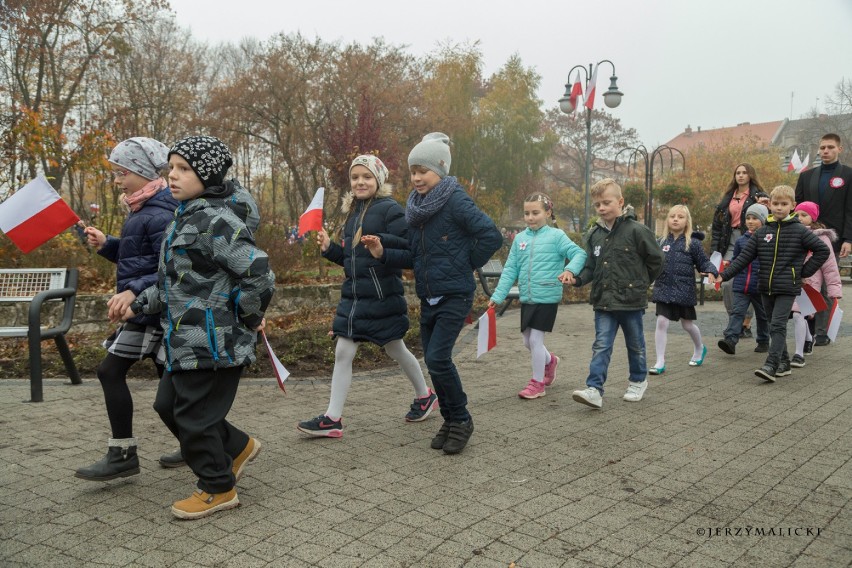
{"x":530,"y":265}
{"x":211,"y":335}
{"x":774,"y":257}
{"x":425,"y":263}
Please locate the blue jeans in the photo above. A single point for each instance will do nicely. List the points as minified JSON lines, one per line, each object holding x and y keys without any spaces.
{"x":606,"y":326}
{"x":739,"y":307}
{"x":440,"y":326}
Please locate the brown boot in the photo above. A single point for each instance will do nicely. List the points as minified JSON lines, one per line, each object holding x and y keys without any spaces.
{"x":248,"y":454}
{"x":201,"y":504}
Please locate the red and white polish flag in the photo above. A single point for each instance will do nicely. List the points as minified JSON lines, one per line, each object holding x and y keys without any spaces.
{"x":311,"y":219}
{"x":35,"y":214}
{"x":576,"y":96}
{"x":281,"y":373}
{"x":834,"y":318}
{"x":592,"y":89}
{"x":487,"y":333}
{"x":810,"y":301}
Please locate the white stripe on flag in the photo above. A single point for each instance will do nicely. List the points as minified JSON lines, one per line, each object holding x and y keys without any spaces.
{"x":27,"y":202}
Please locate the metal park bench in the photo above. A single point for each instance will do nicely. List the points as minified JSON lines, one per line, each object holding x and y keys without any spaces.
{"x":493,"y":269}
{"x":37,"y":286}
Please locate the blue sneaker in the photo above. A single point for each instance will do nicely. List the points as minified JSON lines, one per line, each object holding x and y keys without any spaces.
{"x":421,"y":408}
{"x":322,"y":426}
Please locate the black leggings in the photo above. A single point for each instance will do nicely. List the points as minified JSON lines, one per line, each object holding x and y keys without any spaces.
{"x":112,"y":373}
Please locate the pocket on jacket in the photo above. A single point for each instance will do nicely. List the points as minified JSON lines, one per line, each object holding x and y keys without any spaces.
{"x":633,"y":292}
{"x":376,"y":283}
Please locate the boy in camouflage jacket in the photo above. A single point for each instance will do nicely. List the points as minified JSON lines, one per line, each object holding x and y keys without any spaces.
{"x":213,"y":287}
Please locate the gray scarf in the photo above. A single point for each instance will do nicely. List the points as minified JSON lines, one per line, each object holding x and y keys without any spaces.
{"x":420,"y":208}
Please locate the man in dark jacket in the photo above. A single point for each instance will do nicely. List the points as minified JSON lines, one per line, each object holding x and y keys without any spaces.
{"x":828,"y":186}
{"x":782,"y":245}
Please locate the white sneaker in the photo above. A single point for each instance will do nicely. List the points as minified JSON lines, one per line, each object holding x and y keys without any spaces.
{"x":635,"y":391}
{"x":590,"y":396}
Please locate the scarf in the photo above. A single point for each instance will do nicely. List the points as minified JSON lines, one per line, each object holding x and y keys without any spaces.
{"x":420,"y":208}
{"x":135,"y":201}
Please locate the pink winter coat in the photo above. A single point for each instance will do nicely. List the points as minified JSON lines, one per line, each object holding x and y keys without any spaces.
{"x":828,"y":272}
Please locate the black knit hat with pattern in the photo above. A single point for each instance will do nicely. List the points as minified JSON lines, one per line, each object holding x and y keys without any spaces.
{"x":208,"y":157}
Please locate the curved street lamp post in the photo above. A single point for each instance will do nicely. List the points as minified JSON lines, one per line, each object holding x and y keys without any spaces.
{"x":649,"y":160}
{"x":612,"y":98}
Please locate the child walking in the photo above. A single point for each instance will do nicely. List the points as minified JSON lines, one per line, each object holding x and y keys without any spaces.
{"x":537,"y":262}
{"x":372,"y":301}
{"x":623,"y":260}
{"x":138,"y":164}
{"x":828,"y":275}
{"x":674,"y":289}
{"x":213,"y":288}
{"x":448,"y":238}
{"x":781,"y":245}
{"x":745,"y":290}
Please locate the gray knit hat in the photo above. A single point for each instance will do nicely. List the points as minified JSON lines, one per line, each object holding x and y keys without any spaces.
{"x":143,"y":156}
{"x":433,"y":152}
{"x":375,"y":165}
{"x":759,"y":211}
{"x":208,"y":157}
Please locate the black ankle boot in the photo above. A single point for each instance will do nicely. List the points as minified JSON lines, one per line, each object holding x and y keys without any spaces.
{"x":118,"y":462}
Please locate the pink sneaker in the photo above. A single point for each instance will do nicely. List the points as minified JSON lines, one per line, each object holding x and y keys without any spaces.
{"x":534,"y":389}
{"x":550,"y":370}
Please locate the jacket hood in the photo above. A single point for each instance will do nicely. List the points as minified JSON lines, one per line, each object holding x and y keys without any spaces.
{"x":235,"y":197}
{"x":697,"y":235}
{"x":385,"y":191}
{"x":791,"y":218}
{"x":830,"y":233}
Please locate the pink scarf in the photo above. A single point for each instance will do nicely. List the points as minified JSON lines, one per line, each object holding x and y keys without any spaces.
{"x":137,"y":200}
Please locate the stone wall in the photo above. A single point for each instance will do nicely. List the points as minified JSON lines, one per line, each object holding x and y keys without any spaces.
{"x":90,"y":314}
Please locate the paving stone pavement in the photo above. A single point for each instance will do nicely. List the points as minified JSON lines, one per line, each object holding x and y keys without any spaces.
{"x":713,"y":468}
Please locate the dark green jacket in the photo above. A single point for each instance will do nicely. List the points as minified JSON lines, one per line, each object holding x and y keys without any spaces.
{"x":621,"y":264}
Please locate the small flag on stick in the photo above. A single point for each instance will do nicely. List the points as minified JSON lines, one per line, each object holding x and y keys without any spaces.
{"x":487,"y":333}
{"x":810,"y":301}
{"x":281,"y":373}
{"x":311,"y":219}
{"x":834,"y":318}
{"x":35,"y":214}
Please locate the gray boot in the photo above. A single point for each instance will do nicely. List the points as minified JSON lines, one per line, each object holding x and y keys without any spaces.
{"x":174,"y":459}
{"x":120,"y":461}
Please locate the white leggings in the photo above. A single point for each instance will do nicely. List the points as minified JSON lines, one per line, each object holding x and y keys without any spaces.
{"x":661,"y":337}
{"x":534,"y":341}
{"x":341,"y":377}
{"x":802,"y":331}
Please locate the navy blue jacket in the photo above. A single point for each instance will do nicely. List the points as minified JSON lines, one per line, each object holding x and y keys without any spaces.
{"x":676,"y":283}
{"x":137,"y":252}
{"x":448,"y":247}
{"x":746,"y":282}
{"x":372,"y":301}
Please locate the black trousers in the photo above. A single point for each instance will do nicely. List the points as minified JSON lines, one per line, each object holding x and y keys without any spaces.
{"x":193,"y":405}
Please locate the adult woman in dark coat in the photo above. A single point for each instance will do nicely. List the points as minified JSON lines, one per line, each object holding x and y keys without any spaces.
{"x":372,"y":301}
{"x":729,"y":221}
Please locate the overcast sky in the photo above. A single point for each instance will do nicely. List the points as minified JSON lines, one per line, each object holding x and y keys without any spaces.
{"x":707,"y":63}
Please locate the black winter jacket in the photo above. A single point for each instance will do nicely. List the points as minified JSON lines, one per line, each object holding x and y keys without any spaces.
{"x":137,"y":252}
{"x":676,"y":283}
{"x":781,"y":247}
{"x":372,"y":300}
{"x":448,"y":247}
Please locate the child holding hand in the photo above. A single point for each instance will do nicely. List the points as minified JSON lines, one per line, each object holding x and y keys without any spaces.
{"x":674,"y":289}
{"x":537,"y":263}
